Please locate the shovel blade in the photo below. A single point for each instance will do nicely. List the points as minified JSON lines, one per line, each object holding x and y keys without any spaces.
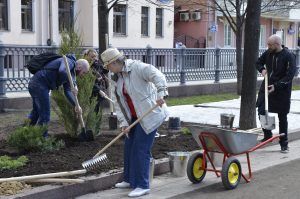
{"x":267,"y":122}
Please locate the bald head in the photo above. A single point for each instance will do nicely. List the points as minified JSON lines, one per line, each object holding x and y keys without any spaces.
{"x":82,"y":66}
{"x":274,"y":43}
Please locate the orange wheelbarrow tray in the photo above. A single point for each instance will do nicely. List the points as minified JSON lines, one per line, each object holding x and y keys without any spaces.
{"x":228,"y":142}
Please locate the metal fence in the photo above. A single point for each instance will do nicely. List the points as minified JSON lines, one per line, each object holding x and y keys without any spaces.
{"x":178,"y":65}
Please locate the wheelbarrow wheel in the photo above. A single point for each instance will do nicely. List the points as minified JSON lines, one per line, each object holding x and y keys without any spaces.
{"x":194,"y":169}
{"x":231,"y":173}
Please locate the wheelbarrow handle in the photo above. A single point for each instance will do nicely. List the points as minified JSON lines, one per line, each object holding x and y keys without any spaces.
{"x":72,"y":88}
{"x":123,"y":132}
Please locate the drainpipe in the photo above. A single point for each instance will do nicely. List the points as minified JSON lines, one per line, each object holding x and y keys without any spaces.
{"x":49,"y":40}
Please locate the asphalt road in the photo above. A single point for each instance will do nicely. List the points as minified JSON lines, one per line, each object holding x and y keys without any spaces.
{"x":279,"y":182}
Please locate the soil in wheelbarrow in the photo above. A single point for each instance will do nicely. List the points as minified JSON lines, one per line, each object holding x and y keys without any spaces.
{"x":75,"y":152}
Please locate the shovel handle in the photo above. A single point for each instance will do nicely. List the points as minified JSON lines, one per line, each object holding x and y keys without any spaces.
{"x":266,"y":94}
{"x":72,"y":88}
{"x":58,"y":180}
{"x":105,"y":96}
{"x":123,"y":132}
{"x":43,"y":176}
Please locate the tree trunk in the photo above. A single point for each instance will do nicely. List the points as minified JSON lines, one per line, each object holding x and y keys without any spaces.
{"x":102,"y":23}
{"x":248,"y":97}
{"x":239,"y":60}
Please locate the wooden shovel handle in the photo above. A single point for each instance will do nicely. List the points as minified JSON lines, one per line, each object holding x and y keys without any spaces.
{"x":43,"y":176}
{"x":123,"y":132}
{"x":72,"y":88}
{"x":266,"y":94}
{"x":58,"y":180}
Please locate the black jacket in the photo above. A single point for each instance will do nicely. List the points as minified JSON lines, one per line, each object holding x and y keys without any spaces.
{"x":281,"y":67}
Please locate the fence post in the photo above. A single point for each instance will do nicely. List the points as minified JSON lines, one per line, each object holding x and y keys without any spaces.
{"x":217,"y":67}
{"x":2,"y":78}
{"x":149,"y":54}
{"x":182,"y":65}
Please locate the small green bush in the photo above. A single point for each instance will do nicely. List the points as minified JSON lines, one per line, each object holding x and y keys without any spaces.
{"x":7,"y":162}
{"x":186,"y":131}
{"x":30,"y":138}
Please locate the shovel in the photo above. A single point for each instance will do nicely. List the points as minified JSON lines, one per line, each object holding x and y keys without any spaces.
{"x":85,"y":135}
{"x":266,"y":121}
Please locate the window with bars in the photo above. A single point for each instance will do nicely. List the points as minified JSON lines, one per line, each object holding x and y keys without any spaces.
{"x":65,"y":14}
{"x":3,"y":15}
{"x":262,"y":36}
{"x":26,"y":15}
{"x":119,"y":21}
{"x":159,"y":22}
{"x":145,"y":21}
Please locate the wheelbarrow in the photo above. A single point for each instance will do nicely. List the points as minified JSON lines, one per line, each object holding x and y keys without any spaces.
{"x":228,"y":142}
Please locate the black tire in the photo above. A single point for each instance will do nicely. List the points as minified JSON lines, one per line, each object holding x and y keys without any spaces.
{"x":195,"y":161}
{"x":231,"y":173}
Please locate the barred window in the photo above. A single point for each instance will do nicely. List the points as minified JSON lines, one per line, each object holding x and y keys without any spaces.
{"x":145,"y":21}
{"x":119,"y":26}
{"x":26,"y":14}
{"x":3,"y":15}
{"x":65,"y":14}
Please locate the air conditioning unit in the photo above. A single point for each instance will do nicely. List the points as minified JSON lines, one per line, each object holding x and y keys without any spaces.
{"x":196,"y":16}
{"x":184,"y":16}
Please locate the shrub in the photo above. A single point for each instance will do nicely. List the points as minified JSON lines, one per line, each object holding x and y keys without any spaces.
{"x":7,"y":162}
{"x":186,"y":131}
{"x":30,"y":138}
{"x":71,"y":43}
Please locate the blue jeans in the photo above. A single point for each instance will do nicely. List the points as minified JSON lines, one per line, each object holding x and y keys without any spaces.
{"x":137,"y":154}
{"x":40,"y":113}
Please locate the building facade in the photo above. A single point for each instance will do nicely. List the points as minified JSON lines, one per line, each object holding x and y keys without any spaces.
{"x":212,"y":30}
{"x":40,"y":22}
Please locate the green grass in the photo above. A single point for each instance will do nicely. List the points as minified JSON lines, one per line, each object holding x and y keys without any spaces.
{"x":296,"y":87}
{"x":200,"y":99}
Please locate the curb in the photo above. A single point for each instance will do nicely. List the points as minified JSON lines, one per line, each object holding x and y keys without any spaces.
{"x":91,"y":185}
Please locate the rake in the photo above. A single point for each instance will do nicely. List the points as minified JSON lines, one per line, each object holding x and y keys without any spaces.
{"x":91,"y":162}
{"x":96,"y":163}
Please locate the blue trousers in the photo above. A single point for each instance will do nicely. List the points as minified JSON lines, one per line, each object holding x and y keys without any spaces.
{"x":137,"y":154}
{"x":40,"y":113}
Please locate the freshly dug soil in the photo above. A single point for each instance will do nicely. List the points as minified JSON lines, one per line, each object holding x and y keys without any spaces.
{"x":75,"y":152}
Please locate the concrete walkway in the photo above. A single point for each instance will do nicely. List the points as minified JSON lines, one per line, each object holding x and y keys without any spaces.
{"x":166,"y":186}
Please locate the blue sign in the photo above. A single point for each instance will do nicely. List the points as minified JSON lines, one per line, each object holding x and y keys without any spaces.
{"x":164,"y":1}
{"x":213,"y":28}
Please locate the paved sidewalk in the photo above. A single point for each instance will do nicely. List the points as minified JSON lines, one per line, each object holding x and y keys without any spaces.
{"x":166,"y":186}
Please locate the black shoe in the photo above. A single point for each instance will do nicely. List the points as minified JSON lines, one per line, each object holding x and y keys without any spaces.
{"x":284,"y":149}
{"x":265,"y":139}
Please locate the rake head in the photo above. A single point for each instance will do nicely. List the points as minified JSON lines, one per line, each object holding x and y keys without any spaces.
{"x":95,"y":163}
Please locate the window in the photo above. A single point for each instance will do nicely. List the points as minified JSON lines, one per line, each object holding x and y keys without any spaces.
{"x":26,"y":14}
{"x":262,"y":36}
{"x":119,"y":19}
{"x":3,"y":15}
{"x":228,"y":35}
{"x":159,"y":22}
{"x":65,"y":14}
{"x":145,"y":21}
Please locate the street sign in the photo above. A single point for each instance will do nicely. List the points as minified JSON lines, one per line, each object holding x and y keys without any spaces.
{"x":213,"y":28}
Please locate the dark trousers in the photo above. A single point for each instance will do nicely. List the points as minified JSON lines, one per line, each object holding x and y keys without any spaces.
{"x":283,"y":126}
{"x":40,"y":113}
{"x":137,"y":154}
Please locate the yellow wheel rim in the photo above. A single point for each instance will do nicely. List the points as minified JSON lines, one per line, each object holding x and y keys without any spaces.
{"x":233,"y":173}
{"x":197,"y":170}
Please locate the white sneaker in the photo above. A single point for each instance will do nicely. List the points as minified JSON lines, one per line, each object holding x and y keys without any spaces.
{"x":138,"y":192}
{"x":122,"y":185}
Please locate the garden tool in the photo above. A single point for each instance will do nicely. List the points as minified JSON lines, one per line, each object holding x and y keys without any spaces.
{"x":266,"y":121}
{"x":88,"y":163}
{"x":96,"y":163}
{"x":105,"y":96}
{"x":85,"y":135}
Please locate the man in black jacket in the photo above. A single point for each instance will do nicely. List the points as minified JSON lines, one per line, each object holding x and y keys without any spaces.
{"x":279,"y":66}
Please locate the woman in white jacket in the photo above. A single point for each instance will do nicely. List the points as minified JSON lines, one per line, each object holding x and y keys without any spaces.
{"x":139,"y":87}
